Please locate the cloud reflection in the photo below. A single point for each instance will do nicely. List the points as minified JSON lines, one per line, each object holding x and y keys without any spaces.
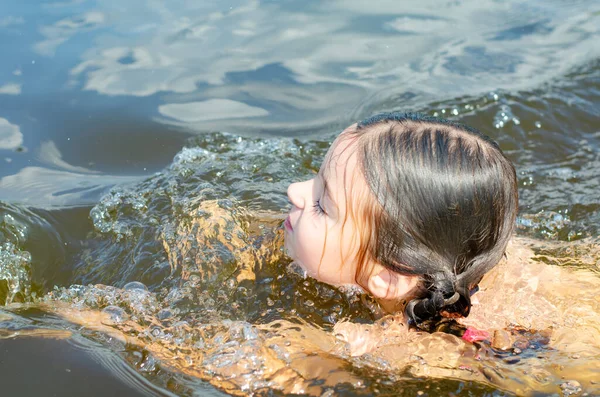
{"x":49,"y":154}
{"x":213,"y":109}
{"x":10,"y":135}
{"x":11,"y":21}
{"x":10,"y":89}
{"x":61,"y":31}
{"x":44,"y":188}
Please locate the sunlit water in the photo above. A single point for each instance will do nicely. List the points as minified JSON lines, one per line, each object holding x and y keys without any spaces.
{"x":147,"y":148}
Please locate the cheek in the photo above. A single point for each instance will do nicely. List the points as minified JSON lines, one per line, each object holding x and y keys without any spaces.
{"x":310,"y":242}
{"x":322,"y":259}
{"x":350,"y":244}
{"x":306,"y":243}
{"x":327,"y":261}
{"x":347,"y":251}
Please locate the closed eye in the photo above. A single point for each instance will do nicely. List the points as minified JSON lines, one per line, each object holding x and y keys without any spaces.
{"x":318,"y":209}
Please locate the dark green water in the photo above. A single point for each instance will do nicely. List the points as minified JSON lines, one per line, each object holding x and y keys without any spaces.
{"x":119,"y":119}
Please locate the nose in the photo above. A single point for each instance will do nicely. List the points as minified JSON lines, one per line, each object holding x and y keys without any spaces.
{"x":297,"y":193}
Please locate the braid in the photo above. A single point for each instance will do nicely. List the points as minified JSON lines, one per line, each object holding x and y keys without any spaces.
{"x":445,"y":298}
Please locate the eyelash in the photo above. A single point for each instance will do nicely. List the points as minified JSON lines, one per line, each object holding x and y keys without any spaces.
{"x":318,"y":209}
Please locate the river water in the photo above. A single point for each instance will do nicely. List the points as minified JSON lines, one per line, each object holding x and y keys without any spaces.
{"x":146,"y":147}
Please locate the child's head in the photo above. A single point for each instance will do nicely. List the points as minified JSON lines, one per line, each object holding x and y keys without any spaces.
{"x":408,"y":207}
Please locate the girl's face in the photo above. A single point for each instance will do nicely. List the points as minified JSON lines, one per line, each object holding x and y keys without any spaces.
{"x":321,"y":236}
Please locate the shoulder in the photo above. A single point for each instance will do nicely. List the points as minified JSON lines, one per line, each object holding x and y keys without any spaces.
{"x":541,"y":285}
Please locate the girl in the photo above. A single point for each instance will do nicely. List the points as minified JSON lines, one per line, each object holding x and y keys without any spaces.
{"x":413,"y":209}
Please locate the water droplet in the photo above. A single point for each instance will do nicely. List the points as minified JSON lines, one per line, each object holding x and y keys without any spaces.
{"x":295,"y":269}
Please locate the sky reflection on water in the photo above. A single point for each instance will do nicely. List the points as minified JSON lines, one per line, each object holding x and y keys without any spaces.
{"x":118,"y":86}
{"x":291,"y":63}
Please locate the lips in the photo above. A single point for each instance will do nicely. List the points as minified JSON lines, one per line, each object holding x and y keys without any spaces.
{"x":288,"y":225}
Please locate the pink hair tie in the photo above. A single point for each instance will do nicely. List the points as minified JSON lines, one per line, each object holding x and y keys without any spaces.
{"x":474,"y":335}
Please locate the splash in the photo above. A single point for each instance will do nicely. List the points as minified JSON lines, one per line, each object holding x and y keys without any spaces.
{"x":15,"y":263}
{"x":15,"y":274}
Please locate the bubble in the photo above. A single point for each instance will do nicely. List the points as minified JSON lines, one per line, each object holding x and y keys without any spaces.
{"x":570,"y":388}
{"x":117,"y":314}
{"x":156,"y":332}
{"x":135,"y":285}
{"x":100,"y":219}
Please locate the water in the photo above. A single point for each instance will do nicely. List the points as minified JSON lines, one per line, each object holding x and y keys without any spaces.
{"x":152,"y":144}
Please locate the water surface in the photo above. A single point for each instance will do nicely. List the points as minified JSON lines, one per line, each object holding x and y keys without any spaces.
{"x":124,"y":122}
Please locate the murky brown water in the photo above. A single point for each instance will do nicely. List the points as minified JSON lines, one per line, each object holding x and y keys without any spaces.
{"x":146,"y":150}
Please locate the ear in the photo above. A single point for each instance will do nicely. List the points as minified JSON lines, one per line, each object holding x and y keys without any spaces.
{"x":386,"y":284}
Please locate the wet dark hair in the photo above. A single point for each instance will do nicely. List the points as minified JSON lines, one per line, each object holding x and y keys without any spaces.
{"x":448,"y":203}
